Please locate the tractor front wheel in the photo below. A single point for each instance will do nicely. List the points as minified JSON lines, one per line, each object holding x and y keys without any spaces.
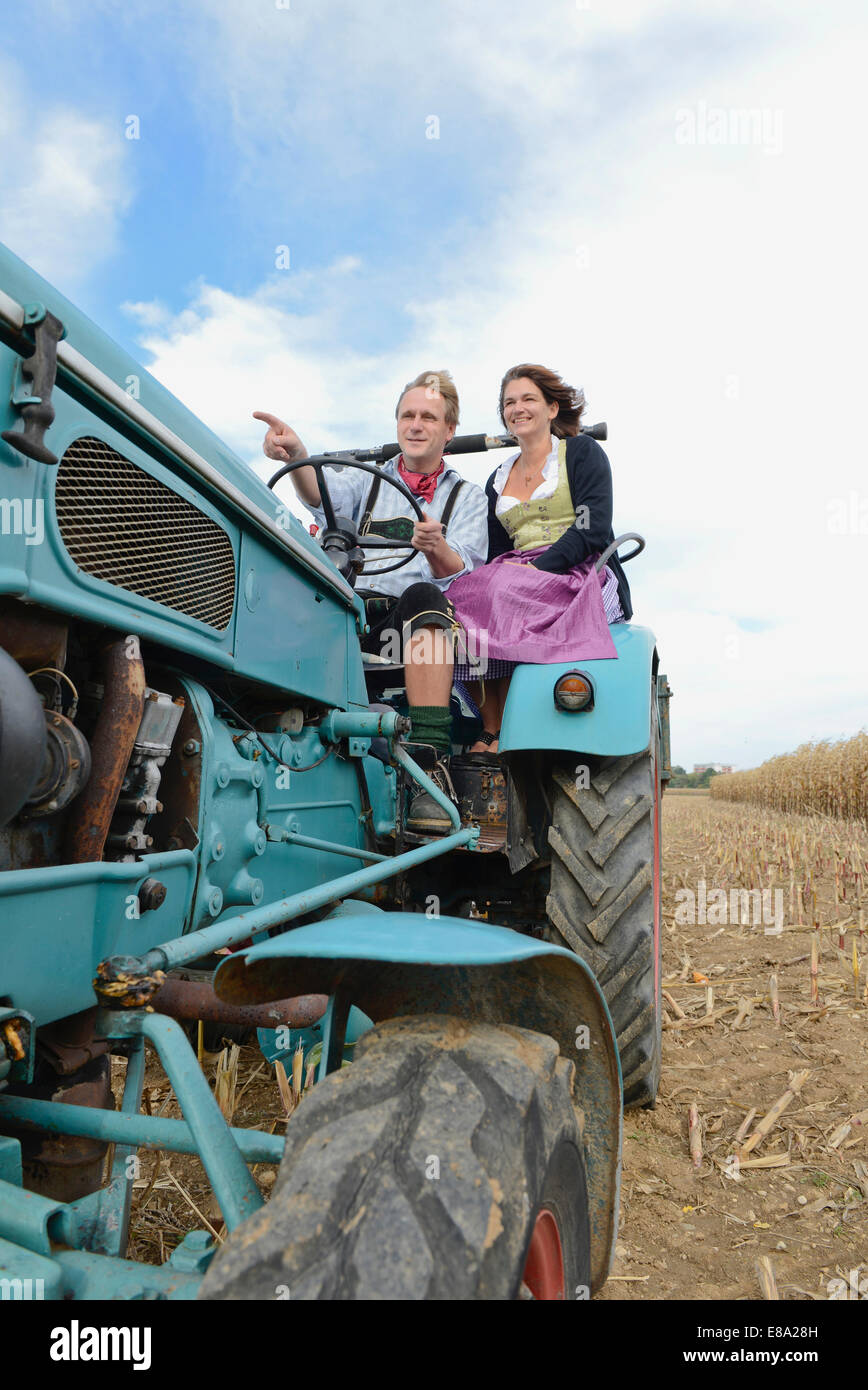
{"x":445,"y":1162}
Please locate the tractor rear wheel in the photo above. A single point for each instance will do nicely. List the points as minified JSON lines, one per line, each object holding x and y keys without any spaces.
{"x":445,"y":1162}
{"x":604,"y":898}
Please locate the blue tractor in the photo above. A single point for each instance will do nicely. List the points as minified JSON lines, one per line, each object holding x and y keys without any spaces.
{"x":203,"y":793}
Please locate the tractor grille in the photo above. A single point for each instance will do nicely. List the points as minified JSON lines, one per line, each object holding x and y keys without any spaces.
{"x":123,"y":526}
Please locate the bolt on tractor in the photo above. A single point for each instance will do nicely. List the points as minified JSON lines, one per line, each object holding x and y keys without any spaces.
{"x":203,"y":816}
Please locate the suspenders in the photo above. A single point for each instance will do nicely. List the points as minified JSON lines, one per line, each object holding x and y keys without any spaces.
{"x":450,"y":503}
{"x":374,"y":491}
{"x":366,"y":521}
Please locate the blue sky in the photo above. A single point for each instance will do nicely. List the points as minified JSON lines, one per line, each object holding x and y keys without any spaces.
{"x":661,"y":199}
{"x":220,"y":175}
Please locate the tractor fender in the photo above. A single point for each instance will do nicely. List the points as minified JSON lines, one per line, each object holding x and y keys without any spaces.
{"x":395,"y":963}
{"x":619,"y":721}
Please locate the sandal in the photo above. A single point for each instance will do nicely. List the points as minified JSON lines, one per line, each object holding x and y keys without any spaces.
{"x":486,"y":759}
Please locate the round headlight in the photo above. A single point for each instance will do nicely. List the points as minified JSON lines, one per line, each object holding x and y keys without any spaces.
{"x":574,"y":691}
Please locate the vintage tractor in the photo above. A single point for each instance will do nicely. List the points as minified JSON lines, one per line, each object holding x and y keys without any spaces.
{"x":202,"y":816}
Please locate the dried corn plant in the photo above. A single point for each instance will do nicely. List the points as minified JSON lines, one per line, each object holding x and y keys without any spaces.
{"x":819,"y":862}
{"x":293,"y":1087}
{"x":825,"y":779}
{"x":226,"y":1080}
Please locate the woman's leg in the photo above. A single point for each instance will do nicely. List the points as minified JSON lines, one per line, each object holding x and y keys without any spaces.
{"x":491,"y":708}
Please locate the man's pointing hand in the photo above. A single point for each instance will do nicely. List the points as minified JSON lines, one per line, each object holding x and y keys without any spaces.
{"x":281,"y":442}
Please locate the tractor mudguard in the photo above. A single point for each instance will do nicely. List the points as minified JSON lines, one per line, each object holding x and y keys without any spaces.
{"x":618,"y":722}
{"x":394,"y":963}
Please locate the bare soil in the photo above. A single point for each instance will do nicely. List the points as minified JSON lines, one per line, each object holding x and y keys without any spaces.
{"x":690,"y":1233}
{"x":686,"y":1232}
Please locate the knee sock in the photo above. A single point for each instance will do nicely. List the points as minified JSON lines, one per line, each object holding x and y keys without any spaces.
{"x":432,"y":724}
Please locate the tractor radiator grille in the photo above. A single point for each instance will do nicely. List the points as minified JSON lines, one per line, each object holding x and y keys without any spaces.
{"x":123,"y":526}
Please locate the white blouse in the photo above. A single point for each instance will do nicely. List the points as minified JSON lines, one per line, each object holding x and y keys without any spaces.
{"x":546,"y":488}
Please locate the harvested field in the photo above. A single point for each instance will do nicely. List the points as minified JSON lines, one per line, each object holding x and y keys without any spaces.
{"x":800,"y":1197}
{"x":750,"y":1039}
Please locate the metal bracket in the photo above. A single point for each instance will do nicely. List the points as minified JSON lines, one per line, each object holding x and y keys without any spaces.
{"x":33,"y":384}
{"x":664,"y":695}
{"x":17,"y":1045}
{"x":236,"y":1192}
{"x":334,"y":1026}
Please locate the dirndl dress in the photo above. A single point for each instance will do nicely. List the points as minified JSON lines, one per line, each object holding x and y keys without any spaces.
{"x":508,"y":612}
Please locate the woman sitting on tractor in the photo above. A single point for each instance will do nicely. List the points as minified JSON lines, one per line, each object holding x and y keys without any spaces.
{"x":539,"y":598}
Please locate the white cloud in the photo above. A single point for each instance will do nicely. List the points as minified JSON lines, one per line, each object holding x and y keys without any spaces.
{"x":63,"y":185}
{"x":704,"y":294}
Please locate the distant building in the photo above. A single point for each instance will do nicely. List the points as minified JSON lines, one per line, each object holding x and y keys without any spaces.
{"x":711,"y":767}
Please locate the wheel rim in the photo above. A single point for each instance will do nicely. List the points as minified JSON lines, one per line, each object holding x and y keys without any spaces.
{"x":544,"y":1266}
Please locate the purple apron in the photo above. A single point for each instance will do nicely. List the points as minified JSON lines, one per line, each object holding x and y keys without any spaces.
{"x":516,"y":613}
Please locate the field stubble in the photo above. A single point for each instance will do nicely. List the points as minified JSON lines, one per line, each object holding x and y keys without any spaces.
{"x":744,"y":1019}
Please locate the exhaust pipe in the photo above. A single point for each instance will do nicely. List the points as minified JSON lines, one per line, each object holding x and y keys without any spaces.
{"x":111,"y":749}
{"x":195,"y":999}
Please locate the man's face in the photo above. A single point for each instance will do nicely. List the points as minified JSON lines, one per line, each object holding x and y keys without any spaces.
{"x":422,"y":429}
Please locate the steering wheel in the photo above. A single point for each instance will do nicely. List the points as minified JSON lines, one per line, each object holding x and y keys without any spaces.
{"x":340,"y":537}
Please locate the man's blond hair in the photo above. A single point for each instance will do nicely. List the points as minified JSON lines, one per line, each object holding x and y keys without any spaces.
{"x":435,"y":384}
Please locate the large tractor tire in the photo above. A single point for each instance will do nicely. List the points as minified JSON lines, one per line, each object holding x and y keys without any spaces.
{"x":445,"y":1162}
{"x":604,"y":898}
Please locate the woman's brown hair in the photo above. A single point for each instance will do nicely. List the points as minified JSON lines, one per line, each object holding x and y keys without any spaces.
{"x":570,"y":402}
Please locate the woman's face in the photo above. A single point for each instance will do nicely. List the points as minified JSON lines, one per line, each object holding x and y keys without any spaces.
{"x":525,"y":409}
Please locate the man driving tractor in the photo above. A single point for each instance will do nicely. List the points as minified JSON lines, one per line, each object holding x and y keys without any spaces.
{"x":452,"y":539}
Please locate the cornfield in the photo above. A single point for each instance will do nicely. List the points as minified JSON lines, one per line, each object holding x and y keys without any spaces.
{"x":819,"y":779}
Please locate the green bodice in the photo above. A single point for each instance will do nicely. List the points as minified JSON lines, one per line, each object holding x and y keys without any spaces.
{"x":542,"y":522}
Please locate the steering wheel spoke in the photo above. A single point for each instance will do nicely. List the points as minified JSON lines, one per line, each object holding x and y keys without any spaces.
{"x":382,"y":543}
{"x":325,"y":497}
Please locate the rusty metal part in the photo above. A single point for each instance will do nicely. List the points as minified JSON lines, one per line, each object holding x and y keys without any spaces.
{"x":492,"y":838}
{"x":68,"y":1044}
{"x":111,"y":747}
{"x":31,"y":635}
{"x":195,"y":999}
{"x":14,"y":1045}
{"x":481,"y":792}
{"x":120,"y":984}
{"x":152,"y":895}
{"x":64,"y":1166}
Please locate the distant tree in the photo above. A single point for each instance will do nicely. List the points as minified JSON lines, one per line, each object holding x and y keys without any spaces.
{"x":680,"y":778}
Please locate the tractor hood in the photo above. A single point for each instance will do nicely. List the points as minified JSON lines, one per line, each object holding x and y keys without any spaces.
{"x":87,"y":353}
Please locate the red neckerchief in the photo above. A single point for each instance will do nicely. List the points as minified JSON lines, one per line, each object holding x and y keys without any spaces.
{"x":422,"y":485}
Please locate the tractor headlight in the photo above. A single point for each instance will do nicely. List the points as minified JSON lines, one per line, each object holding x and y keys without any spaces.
{"x":574,"y":691}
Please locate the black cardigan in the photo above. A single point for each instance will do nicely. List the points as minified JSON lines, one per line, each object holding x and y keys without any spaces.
{"x":590,"y":479}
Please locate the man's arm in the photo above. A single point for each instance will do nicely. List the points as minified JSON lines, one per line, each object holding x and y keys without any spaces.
{"x":282,"y":444}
